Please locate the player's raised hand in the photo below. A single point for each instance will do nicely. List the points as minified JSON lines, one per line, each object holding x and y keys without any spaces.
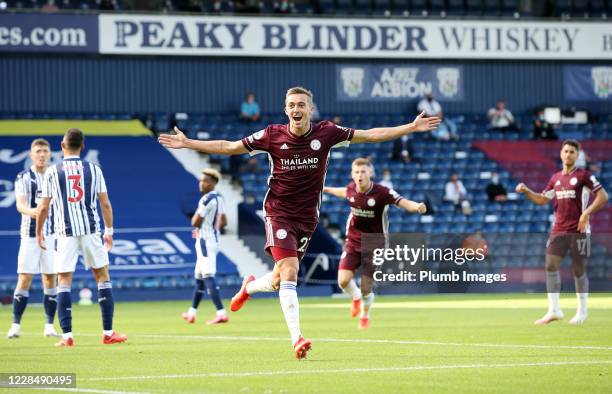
{"x":583,"y":222}
{"x":521,"y":188}
{"x":421,"y":123}
{"x":421,"y":208}
{"x":108,"y":242}
{"x":175,"y":141}
{"x":40,"y":239}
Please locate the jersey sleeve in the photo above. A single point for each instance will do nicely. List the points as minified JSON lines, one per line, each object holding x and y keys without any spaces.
{"x":47,"y":183}
{"x":591,"y":182}
{"x":20,"y":187}
{"x":390,"y":196}
{"x":549,"y":190}
{"x":258,"y":142}
{"x":101,"y":183}
{"x":339,"y":136}
{"x":201,"y":211}
{"x":220,"y":205}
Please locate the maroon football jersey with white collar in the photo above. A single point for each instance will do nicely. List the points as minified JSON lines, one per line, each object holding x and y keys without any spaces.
{"x":571,"y":192}
{"x":298,"y":165}
{"x":368,"y":212}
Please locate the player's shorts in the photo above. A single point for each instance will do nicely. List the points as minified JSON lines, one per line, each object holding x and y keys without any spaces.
{"x":206,"y":252}
{"x":288,"y":235}
{"x":351,"y":259}
{"x":90,"y":246}
{"x":32,"y":259}
{"x":577,"y":244}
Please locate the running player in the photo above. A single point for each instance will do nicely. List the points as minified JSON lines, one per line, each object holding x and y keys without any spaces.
{"x":369,"y":203}
{"x":571,"y":189}
{"x":298,"y":154}
{"x":74,"y":186}
{"x":32,"y":259}
{"x":207,"y":221}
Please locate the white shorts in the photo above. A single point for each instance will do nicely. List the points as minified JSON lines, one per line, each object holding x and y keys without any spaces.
{"x":34,"y":260}
{"x":90,"y":246}
{"x":206,"y":252}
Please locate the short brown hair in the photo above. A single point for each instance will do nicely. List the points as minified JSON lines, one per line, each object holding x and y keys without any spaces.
{"x":362,"y":161}
{"x":300,"y":90}
{"x":573,"y":143}
{"x":40,"y":142}
{"x":74,"y":138}
{"x":211,"y":172}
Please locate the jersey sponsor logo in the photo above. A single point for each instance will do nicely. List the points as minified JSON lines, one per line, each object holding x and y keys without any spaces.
{"x":363,"y":213}
{"x":315,"y":144}
{"x":573,"y":181}
{"x":299,"y":163}
{"x":284,"y":146}
{"x":562,"y":194}
{"x":371,"y":202}
{"x":281,"y":233}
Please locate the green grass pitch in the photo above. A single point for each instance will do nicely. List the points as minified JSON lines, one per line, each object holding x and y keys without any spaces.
{"x":427,"y":344}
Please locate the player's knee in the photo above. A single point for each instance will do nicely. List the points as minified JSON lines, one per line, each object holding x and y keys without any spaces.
{"x":343,"y":282}
{"x":288,"y":273}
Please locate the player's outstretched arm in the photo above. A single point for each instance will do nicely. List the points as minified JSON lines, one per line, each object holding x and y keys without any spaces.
{"x":335,"y":191}
{"x":600,"y":201}
{"x":43,"y":212}
{"x":381,"y":134}
{"x":534,"y":197}
{"x":222,"y":147}
{"x":412,"y":206}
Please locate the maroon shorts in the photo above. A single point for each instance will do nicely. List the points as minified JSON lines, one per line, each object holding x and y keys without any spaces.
{"x":351,"y":259}
{"x":577,"y":244}
{"x":293,"y":236}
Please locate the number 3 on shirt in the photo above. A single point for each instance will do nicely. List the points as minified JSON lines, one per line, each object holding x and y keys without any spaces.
{"x":75,"y":184}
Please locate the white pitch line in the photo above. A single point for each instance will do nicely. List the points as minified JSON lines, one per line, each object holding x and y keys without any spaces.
{"x":386,"y":341}
{"x":379,"y":341}
{"x":350,"y":370}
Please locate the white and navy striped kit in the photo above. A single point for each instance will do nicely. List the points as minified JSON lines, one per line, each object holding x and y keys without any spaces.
{"x":29,"y":184}
{"x":73,"y":185}
{"x":209,"y":208}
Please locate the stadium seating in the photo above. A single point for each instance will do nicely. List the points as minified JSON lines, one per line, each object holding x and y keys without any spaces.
{"x":418,"y":8}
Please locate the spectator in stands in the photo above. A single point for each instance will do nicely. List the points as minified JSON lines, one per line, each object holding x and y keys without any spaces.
{"x":50,"y":6}
{"x":542,"y":130}
{"x":337,"y":120}
{"x":403,"y":150}
{"x":249,"y":110}
{"x":316,"y":115}
{"x":456,"y":194}
{"x":500,"y":118}
{"x":495,"y":190}
{"x":282,"y":7}
{"x":431,"y":107}
{"x":386,"y":179}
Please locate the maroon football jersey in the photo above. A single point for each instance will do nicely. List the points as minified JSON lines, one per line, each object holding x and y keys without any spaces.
{"x":368,"y":212}
{"x":571,"y":193}
{"x":297,"y":166}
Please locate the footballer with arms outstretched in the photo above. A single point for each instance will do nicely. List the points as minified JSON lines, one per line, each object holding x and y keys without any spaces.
{"x":570,"y":189}
{"x":299,"y":154}
{"x":369,"y":203}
